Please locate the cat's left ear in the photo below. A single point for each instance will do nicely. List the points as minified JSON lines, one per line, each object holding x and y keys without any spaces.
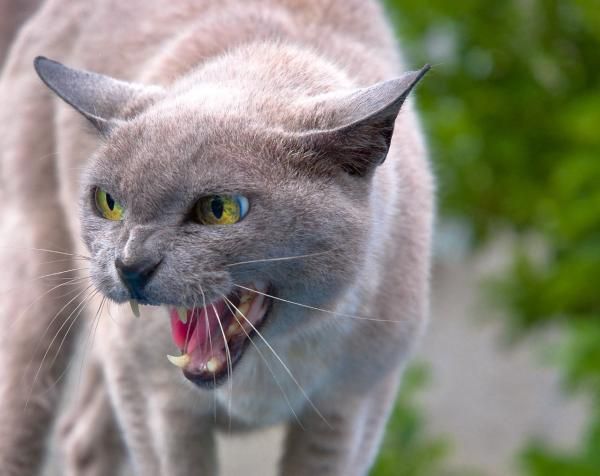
{"x":366,"y":120}
{"x":99,"y":98}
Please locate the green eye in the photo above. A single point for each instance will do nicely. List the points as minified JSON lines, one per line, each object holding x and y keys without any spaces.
{"x":221,"y":209}
{"x":108,"y":207}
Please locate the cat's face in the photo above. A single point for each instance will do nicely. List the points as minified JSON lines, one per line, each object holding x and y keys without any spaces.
{"x":298,"y":203}
{"x":161,"y":165}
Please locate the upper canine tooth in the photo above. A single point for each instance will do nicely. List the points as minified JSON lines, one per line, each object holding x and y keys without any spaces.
{"x":134,"y":307}
{"x":233,"y":329}
{"x":182,"y":313}
{"x":242,"y":310}
{"x":179,"y":361}
{"x":246,"y":297}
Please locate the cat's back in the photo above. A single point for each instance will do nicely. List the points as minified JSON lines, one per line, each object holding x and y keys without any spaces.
{"x":129,"y":39}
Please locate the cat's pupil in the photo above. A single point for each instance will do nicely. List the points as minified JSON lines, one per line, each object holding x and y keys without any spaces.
{"x":110,"y":202}
{"x":216,"y":206}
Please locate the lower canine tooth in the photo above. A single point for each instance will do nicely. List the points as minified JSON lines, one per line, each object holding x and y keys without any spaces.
{"x":134,"y":307}
{"x":182,"y":313}
{"x":179,"y":361}
{"x":212,"y":365}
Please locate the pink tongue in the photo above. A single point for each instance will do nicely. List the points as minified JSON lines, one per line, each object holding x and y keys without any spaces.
{"x":196,"y":332}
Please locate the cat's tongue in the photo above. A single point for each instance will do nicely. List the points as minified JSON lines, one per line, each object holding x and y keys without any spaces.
{"x":199,"y":322}
{"x":211,"y":338}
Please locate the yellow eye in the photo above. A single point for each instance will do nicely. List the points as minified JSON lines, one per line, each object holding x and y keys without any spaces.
{"x":108,"y":207}
{"x":221,"y":209}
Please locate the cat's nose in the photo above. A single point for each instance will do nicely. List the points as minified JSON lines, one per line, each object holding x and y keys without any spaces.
{"x":136,"y":275}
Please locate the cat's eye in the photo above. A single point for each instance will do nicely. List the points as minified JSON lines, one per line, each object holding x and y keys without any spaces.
{"x":108,"y":207}
{"x":221,"y":209}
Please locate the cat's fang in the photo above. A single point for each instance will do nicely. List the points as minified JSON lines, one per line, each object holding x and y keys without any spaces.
{"x":180,"y":361}
{"x":242,"y":310}
{"x":212,"y":365}
{"x":182,"y":313}
{"x":135,"y":308}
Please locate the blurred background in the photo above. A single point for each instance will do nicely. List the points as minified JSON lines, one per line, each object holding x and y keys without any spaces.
{"x":507,"y":380}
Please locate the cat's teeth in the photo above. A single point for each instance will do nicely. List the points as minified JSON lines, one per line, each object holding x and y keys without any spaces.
{"x":179,"y":361}
{"x":242,"y":310}
{"x":233,"y":329}
{"x":134,"y":307}
{"x":182,"y":313}
{"x":212,"y":365}
{"x":246,"y":297}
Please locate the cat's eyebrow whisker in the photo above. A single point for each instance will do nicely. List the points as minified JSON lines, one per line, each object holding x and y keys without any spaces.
{"x":228,"y":303}
{"x":289,"y":372}
{"x":327,"y":311}
{"x":283,"y":258}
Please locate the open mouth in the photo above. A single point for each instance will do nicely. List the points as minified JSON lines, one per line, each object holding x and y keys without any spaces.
{"x":213,"y":338}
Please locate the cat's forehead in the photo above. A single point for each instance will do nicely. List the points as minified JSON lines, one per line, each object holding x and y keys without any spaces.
{"x":172,"y":155}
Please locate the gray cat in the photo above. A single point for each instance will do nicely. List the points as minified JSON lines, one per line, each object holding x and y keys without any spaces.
{"x":249,"y":185}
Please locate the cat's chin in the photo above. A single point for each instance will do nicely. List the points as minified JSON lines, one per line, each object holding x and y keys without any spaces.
{"x":213,"y":338}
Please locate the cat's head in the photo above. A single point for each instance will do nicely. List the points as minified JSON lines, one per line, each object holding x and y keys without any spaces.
{"x":228,"y":197}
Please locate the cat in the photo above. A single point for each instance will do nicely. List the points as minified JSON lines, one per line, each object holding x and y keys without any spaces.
{"x":253,"y":160}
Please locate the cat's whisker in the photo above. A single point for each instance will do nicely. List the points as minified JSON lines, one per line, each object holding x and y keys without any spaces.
{"x":39,"y":342}
{"x":211,"y":352}
{"x":49,"y":277}
{"x":46,"y":250}
{"x":83,"y":303}
{"x":71,"y":362}
{"x":327,"y":311}
{"x":229,"y":364}
{"x":228,"y":303}
{"x":92,"y":331}
{"x":289,"y":372}
{"x":73,"y":321}
{"x":30,"y":305}
{"x":283,"y":258}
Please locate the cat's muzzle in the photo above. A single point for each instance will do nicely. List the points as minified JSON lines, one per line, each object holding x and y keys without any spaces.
{"x":213,"y":338}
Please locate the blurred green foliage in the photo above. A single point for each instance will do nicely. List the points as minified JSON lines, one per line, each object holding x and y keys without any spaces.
{"x":512,"y":112}
{"x":407,"y":450}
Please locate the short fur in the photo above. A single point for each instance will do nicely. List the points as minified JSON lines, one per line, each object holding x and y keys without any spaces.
{"x":283,"y":101}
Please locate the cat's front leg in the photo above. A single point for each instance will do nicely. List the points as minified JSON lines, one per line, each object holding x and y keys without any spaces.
{"x":344,"y":439}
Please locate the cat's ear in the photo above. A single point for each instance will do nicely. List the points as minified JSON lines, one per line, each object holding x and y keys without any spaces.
{"x":98,"y":98}
{"x":365,"y":121}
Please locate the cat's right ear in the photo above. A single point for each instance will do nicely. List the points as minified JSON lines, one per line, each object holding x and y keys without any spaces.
{"x":98,"y":98}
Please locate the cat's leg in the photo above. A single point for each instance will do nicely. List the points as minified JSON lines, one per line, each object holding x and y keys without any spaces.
{"x":88,"y":435}
{"x":33,"y":353}
{"x":344,"y":440}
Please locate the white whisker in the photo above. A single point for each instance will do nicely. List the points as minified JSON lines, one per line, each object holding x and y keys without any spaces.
{"x":229,"y":363}
{"x":83,"y":303}
{"x":289,"y":372}
{"x":283,"y":258}
{"x":228,"y":303}
{"x":327,"y":311}
{"x":211,"y":352}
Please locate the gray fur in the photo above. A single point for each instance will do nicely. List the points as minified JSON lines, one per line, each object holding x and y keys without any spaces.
{"x":290,"y":103}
